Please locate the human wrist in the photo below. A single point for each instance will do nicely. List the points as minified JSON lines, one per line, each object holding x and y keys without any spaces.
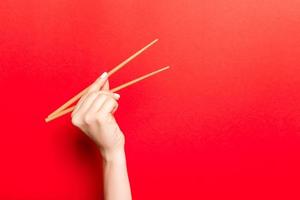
{"x":113,"y":156}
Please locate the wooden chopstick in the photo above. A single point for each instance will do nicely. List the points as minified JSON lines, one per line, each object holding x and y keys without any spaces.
{"x":124,"y":85}
{"x":122,"y":64}
{"x":114,"y":70}
{"x":68,"y":110}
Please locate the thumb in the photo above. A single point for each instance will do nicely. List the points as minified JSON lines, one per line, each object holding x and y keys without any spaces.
{"x":99,"y":83}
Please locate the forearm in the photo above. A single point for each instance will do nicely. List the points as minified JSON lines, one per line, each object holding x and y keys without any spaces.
{"x":116,"y":182}
{"x":94,"y":115}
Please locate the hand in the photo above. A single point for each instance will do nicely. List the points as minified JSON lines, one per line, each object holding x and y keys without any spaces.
{"x":94,"y":116}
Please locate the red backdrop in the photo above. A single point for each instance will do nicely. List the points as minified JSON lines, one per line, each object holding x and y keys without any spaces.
{"x":223,"y":123}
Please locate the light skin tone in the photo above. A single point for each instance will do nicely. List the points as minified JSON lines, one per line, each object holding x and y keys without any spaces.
{"x":94,"y":115}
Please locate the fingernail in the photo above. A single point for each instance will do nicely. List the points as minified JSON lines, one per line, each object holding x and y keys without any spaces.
{"x":117,"y":96}
{"x":103,"y":75}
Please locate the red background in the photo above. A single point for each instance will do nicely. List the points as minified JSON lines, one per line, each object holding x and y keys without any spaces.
{"x":223,"y":123}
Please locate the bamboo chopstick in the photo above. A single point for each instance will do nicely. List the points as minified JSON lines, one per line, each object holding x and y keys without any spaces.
{"x":68,"y":110}
{"x":114,"y":70}
{"x":124,"y":85}
{"x":122,"y":64}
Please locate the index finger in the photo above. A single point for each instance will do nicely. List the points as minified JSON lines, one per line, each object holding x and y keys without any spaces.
{"x":99,"y":83}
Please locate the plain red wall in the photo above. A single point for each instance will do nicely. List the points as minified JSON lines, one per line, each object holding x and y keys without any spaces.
{"x":224,"y":123}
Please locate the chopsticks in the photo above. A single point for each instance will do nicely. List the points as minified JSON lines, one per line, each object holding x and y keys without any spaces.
{"x":114,"y":70}
{"x":118,"y":88}
{"x":62,"y":110}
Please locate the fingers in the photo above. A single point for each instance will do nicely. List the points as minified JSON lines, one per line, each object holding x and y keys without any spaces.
{"x":105,"y":87}
{"x":79,"y":105}
{"x":108,"y":107}
{"x":115,"y":109}
{"x":86,"y":103}
{"x":100,"y":99}
{"x":93,"y":102}
{"x":99,"y":83}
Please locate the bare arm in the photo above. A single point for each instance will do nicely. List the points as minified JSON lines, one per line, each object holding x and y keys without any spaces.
{"x":94,"y":116}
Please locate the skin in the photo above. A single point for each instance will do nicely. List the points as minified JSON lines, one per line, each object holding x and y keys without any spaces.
{"x":94,"y":115}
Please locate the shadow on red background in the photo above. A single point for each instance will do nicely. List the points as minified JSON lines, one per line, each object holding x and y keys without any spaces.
{"x":222,"y":124}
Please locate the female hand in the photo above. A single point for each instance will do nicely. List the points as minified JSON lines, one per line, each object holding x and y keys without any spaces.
{"x":94,"y":116}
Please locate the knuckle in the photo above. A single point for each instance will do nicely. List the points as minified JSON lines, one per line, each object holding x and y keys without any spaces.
{"x":100,"y":118}
{"x":88,"y":119}
{"x":113,"y":101}
{"x":91,"y":94}
{"x":103,"y":94}
{"x":100,"y":95}
{"x":109,"y":98}
{"x":76,"y":121}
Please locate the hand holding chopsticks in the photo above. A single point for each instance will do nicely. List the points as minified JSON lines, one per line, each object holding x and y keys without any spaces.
{"x":62,"y":110}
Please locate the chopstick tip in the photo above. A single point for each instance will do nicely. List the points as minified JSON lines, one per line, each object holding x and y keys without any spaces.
{"x":154,"y":41}
{"x":167,"y":67}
